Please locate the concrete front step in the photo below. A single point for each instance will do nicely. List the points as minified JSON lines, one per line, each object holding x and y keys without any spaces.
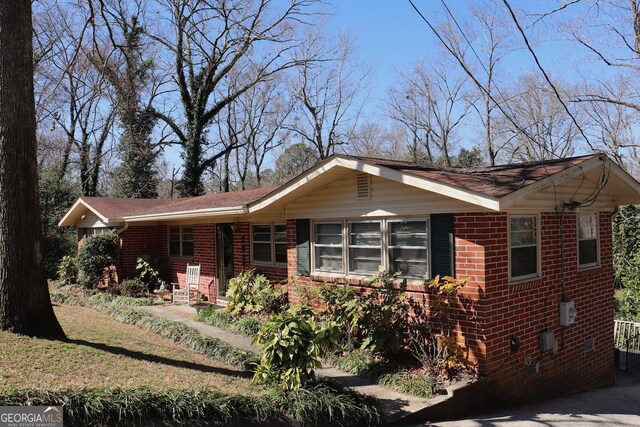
{"x":394,"y":406}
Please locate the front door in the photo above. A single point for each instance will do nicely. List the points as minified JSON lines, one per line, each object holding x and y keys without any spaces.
{"x":224,"y":256}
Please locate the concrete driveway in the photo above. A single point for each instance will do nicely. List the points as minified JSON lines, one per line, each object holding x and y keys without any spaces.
{"x":613,"y":406}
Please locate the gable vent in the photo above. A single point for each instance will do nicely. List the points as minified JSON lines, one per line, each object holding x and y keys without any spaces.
{"x":363,"y":186}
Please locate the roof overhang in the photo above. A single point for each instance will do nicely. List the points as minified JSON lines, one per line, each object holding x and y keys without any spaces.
{"x":198,"y":213}
{"x":630,"y":196}
{"x":77,"y":210}
{"x":339,"y":161}
{"x":627,"y":190}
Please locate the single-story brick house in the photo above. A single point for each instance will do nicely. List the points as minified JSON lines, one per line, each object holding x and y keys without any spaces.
{"x":529,"y":236}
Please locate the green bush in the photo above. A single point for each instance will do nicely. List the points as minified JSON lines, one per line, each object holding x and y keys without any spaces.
{"x":133,"y":288}
{"x":215,"y":316}
{"x":247,"y":326}
{"x":218,"y":317}
{"x":320,"y":404}
{"x":406,"y":382}
{"x":97,"y":253}
{"x":68,"y":270}
{"x":376,"y":321}
{"x":356,"y":362}
{"x":250,"y":292}
{"x":293,"y":345}
{"x":148,"y":272}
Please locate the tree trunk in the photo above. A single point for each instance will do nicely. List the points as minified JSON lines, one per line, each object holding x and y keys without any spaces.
{"x":25,"y":305}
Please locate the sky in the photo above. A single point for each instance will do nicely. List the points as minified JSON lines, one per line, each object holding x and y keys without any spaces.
{"x":391,"y":37}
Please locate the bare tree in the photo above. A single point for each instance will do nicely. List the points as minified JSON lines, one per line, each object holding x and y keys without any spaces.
{"x":25,"y":304}
{"x":374,"y":140}
{"x":613,"y":127}
{"x":431,"y":103}
{"x":206,"y":41}
{"x":77,"y":101}
{"x":479,"y":45}
{"x":329,"y":93}
{"x":551,"y":132}
{"x":124,"y":57}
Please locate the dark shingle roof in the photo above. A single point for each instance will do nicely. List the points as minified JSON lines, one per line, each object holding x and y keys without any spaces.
{"x":493,"y":181}
{"x":117,"y":208}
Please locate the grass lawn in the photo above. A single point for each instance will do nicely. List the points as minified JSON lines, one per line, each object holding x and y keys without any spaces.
{"x":101,"y":351}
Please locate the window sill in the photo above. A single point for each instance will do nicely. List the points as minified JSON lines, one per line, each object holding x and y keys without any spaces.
{"x":182,"y":258}
{"x":524,"y":284}
{"x":359,"y":280}
{"x":588,"y":267}
{"x":269,"y":264}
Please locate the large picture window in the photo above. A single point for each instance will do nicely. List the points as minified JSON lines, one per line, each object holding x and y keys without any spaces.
{"x":181,"y":241}
{"x":523,"y":246}
{"x":327,"y":247}
{"x":362,"y":247}
{"x":365,"y":247}
{"x":587,"y":240}
{"x":408,"y":245}
{"x":269,"y":243}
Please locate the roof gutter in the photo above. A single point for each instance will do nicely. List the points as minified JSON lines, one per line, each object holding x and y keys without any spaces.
{"x":198,"y":213}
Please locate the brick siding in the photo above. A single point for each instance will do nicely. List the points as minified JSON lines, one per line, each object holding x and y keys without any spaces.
{"x":489,"y":310}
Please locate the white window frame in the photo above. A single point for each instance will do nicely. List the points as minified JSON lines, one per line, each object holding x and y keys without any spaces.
{"x":181,"y":228}
{"x":93,"y":231}
{"x":384,"y":229}
{"x":272,"y":242}
{"x":427,"y":220}
{"x":597,"y":262}
{"x":532,"y":276}
{"x":314,"y":267}
{"x":346,"y":257}
{"x":286,"y":245}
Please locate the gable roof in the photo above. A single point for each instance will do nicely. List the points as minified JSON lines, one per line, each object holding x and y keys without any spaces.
{"x":492,"y":181}
{"x":495,"y":188}
{"x":110,"y":209}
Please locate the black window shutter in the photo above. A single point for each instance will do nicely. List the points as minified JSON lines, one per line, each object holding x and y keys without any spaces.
{"x":442,"y":247}
{"x":303,"y":247}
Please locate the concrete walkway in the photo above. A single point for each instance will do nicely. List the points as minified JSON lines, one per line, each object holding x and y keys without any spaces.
{"x":393,"y":405}
{"x":618,"y":405}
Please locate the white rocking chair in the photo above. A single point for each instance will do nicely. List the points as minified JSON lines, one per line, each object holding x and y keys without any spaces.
{"x":182,"y":293}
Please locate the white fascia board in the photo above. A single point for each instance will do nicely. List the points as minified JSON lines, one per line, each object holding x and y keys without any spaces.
{"x":555,"y":179}
{"x":457,"y":193}
{"x":383,"y":172}
{"x":313,"y":173}
{"x":197,"y":213}
{"x":76,"y":205}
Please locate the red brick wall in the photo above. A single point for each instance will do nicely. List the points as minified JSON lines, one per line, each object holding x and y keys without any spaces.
{"x":242,"y":255}
{"x":153,"y":240}
{"x":490,"y":309}
{"x":526,"y":309}
{"x":204,"y":253}
{"x":136,"y":241}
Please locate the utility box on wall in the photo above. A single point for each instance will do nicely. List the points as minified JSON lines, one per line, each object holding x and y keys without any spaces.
{"x":567,"y":313}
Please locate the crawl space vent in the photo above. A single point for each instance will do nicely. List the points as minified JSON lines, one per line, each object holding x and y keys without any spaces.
{"x":363,"y":186}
